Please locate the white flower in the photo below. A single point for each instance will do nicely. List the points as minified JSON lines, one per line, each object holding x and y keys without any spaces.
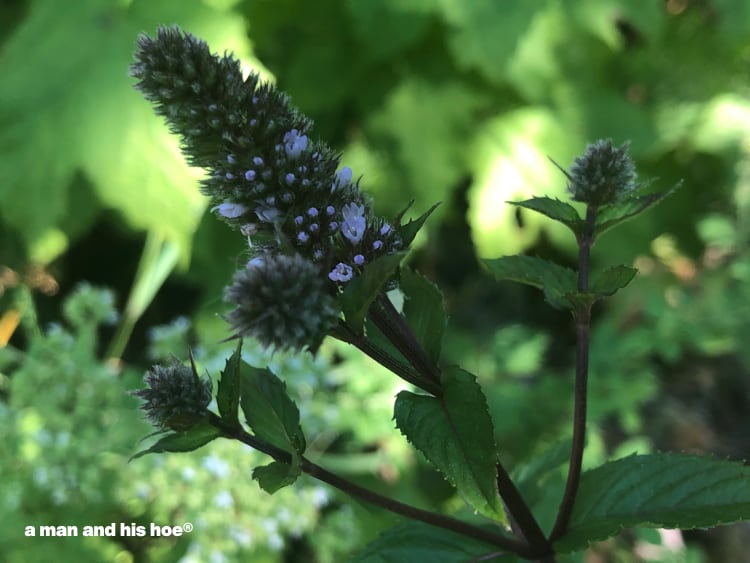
{"x":342,"y":178}
{"x":224,"y":499}
{"x":294,"y":144}
{"x":216,"y":466}
{"x":230,"y":210}
{"x":267,"y":213}
{"x":341,"y":273}
{"x":354,"y":223}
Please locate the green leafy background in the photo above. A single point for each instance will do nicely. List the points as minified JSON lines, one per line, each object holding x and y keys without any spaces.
{"x":436,"y":100}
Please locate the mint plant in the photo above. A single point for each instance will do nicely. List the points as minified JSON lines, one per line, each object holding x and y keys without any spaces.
{"x":320,"y":263}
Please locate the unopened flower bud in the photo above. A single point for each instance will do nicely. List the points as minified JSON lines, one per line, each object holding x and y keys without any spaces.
{"x":176,"y":398}
{"x":283,"y":303}
{"x":603,"y":174}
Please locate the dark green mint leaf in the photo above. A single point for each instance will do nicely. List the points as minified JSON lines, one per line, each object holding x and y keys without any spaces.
{"x":455,"y":433}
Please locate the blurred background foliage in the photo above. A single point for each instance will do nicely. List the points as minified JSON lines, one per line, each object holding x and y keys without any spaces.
{"x":436,"y":100}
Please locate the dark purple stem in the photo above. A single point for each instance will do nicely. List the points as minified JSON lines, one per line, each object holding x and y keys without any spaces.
{"x":491,"y":537}
{"x":583,"y":324}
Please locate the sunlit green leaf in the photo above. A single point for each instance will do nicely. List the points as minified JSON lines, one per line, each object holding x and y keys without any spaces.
{"x":269,"y":410}
{"x":485,"y":33}
{"x":455,"y":433}
{"x":68,"y":106}
{"x":509,"y":159}
{"x":425,"y":155}
{"x":659,"y":491}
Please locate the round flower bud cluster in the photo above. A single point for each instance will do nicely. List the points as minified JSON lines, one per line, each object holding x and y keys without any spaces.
{"x":176,"y":398}
{"x":604,"y":174}
{"x":282,"y":302}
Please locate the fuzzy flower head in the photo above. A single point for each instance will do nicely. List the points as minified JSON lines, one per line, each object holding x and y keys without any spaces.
{"x":603,"y":174}
{"x":175,"y":397}
{"x":282,"y":302}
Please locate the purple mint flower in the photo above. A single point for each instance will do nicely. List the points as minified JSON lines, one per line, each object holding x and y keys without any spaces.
{"x":385,"y":229}
{"x":258,"y":161}
{"x":289,"y":179}
{"x":341,"y":273}
{"x":230,"y":210}
{"x":342,"y":178}
{"x":377,"y":245}
{"x":250,"y":175}
{"x":359,"y":259}
{"x":294,"y":144}
{"x":354,"y":223}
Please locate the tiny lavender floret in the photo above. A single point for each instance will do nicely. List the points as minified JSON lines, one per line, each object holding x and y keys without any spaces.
{"x":294,"y":144}
{"x":343,"y":177}
{"x":230,"y":210}
{"x":341,"y":273}
{"x":354,"y":223}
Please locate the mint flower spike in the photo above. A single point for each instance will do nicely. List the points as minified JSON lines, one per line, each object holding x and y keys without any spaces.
{"x":282,"y":301}
{"x":264,"y":173}
{"x":175,"y":397}
{"x":603,"y":175}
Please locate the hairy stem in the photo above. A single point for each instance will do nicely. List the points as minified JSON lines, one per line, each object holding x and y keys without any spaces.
{"x":482,"y":534}
{"x":394,"y":326}
{"x":520,"y":512}
{"x":583,"y":326}
{"x":344,"y":333}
